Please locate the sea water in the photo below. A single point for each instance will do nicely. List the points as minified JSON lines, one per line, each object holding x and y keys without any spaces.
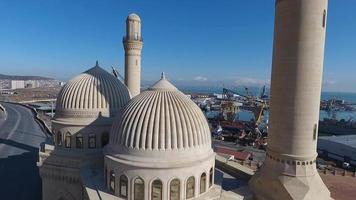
{"x":247,"y":115}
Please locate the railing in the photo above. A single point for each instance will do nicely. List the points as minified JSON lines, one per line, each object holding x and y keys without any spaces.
{"x":132,"y":38}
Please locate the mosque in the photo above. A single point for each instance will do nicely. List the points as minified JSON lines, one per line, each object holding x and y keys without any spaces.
{"x":112,"y":141}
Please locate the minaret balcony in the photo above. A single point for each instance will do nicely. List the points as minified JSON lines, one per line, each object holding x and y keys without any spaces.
{"x":132,"y":38}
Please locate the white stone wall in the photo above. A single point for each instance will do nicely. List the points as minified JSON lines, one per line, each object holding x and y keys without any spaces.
{"x":164,"y":174}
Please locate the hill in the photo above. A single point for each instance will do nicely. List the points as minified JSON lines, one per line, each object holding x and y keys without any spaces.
{"x":16,"y":77}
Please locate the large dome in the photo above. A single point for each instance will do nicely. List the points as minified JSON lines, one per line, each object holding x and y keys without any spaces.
{"x":93,"y":93}
{"x":161,"y":121}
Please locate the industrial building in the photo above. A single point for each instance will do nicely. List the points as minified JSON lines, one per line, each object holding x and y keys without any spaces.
{"x":339,"y":148}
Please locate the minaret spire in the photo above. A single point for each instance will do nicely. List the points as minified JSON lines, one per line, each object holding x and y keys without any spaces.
{"x":133,"y":46}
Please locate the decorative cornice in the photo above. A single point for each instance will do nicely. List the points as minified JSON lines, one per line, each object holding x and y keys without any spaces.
{"x":289,"y":161}
{"x":133,"y":45}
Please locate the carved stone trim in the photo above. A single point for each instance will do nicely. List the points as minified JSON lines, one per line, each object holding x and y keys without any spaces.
{"x":290,"y":161}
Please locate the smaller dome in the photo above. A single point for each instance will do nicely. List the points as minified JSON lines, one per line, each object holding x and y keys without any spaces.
{"x":93,"y":93}
{"x":133,"y":16}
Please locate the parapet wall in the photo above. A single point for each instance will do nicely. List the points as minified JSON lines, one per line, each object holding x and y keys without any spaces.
{"x":233,"y":168}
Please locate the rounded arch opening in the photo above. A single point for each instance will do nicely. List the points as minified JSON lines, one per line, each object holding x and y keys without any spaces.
{"x":174,"y":189}
{"x":202,"y":183}
{"x":156,"y":191}
{"x":139,"y":189}
{"x":123,"y":186}
{"x":68,"y":140}
{"x":190,"y":187}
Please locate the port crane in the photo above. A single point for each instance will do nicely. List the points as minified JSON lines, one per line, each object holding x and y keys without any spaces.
{"x":256,"y":105}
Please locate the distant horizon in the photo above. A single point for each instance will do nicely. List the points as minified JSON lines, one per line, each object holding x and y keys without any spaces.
{"x":185,"y":85}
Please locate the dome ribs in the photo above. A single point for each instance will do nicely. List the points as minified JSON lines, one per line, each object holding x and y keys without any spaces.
{"x":100,"y":92}
{"x":172,"y":116}
{"x":86,"y":95}
{"x":131,"y":126}
{"x":190,"y":115}
{"x":156,"y":129}
{"x":167,"y":124}
{"x":139,"y":121}
{"x":162,"y":119}
{"x":145,"y":120}
{"x":79,"y":92}
{"x":151,"y":124}
{"x":106,"y":93}
{"x":186,"y":121}
{"x":181,"y":126}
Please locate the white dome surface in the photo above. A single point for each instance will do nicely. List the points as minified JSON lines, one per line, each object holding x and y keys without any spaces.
{"x":161,"y":122}
{"x":93,"y":93}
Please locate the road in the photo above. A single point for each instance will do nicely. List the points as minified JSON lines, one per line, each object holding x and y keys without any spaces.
{"x":20,"y":137}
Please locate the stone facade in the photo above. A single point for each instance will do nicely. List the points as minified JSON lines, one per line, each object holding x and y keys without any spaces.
{"x":289,"y":171}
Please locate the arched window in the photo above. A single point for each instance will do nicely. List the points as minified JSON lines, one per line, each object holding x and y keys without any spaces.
{"x":324,"y":19}
{"x":79,"y":141}
{"x":59,"y":138}
{"x":106,"y":176}
{"x":112,"y":181}
{"x":190,"y":187}
{"x":156,"y":193}
{"x":139,"y":189}
{"x":68,"y":140}
{"x":202,"y":183}
{"x":211,"y":176}
{"x":104,"y":139}
{"x":92,"y":141}
{"x":174,"y":190}
{"x":123,"y":186}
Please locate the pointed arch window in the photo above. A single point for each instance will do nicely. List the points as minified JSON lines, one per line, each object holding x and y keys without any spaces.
{"x":92,"y":141}
{"x":190,"y":187}
{"x":123,"y":186}
{"x":156,"y":193}
{"x":68,"y":140}
{"x":139,"y":189}
{"x":104,"y":139}
{"x":79,"y":141}
{"x":203,"y":183}
{"x":112,"y":181}
{"x":211,"y":176}
{"x":174,"y":190}
{"x":59,"y":138}
{"x":106,"y":176}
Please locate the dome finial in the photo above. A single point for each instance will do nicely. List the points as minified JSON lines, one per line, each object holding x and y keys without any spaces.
{"x":97,"y":64}
{"x":163,"y":75}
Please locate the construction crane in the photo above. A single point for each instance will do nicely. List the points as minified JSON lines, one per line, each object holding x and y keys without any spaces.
{"x":263,"y":93}
{"x":256,"y":105}
{"x":229,"y":94}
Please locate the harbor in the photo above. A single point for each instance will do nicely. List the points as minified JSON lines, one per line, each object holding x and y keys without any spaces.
{"x":239,"y":123}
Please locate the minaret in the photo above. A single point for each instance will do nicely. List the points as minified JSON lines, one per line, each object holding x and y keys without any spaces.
{"x":133,"y":46}
{"x":289,"y":171}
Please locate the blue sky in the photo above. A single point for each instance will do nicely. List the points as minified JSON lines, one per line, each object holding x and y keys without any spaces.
{"x":196,"y":42}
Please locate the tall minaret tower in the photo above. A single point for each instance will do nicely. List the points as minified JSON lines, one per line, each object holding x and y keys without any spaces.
{"x":133,"y":46}
{"x":289,"y":171}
